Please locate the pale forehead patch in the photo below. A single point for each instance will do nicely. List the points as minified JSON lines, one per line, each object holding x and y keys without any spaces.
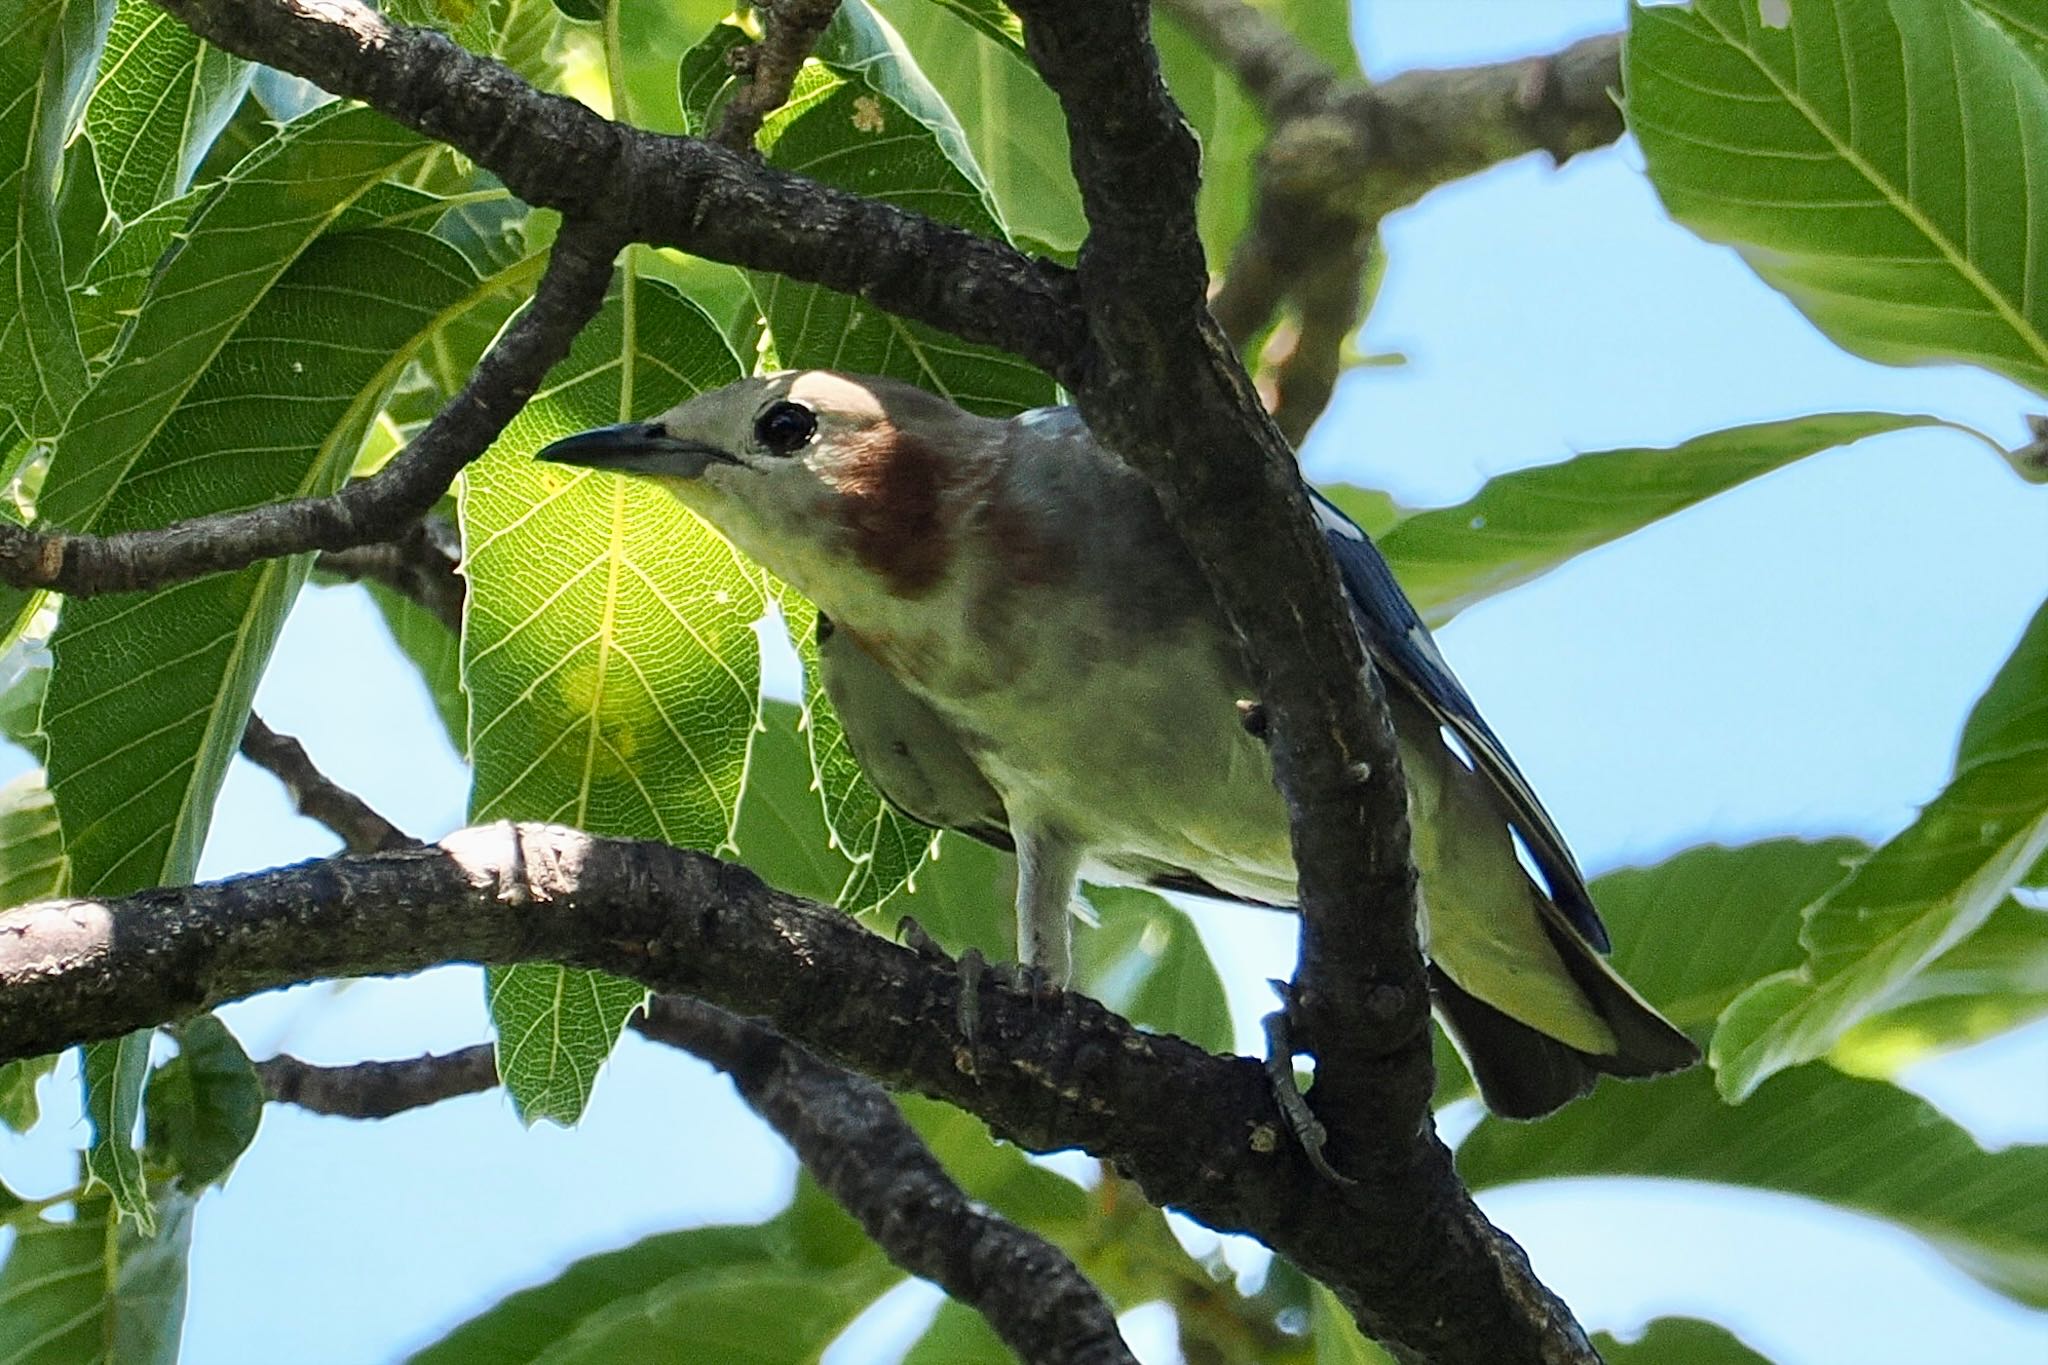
{"x":824,"y":391}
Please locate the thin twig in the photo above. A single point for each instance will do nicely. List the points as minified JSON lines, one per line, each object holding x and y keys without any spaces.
{"x":377,"y":1090}
{"x":419,"y":565}
{"x":791,"y":28}
{"x":317,"y":796}
{"x":851,"y":1136}
{"x":377,"y":508}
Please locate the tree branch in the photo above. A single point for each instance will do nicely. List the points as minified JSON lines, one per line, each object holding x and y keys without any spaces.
{"x":378,"y":1090}
{"x":317,"y":796}
{"x":850,"y":1135}
{"x":419,"y":565}
{"x":570,"y":292}
{"x":668,"y":191}
{"x":1162,"y":385}
{"x":1341,"y":155}
{"x":1048,"y":1071}
{"x":793,"y":28}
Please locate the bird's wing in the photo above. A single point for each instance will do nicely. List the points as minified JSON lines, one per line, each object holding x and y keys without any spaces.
{"x":911,"y":754}
{"x":905,"y":747}
{"x":1402,"y":647}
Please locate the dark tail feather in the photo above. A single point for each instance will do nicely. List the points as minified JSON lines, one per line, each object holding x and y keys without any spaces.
{"x":1522,"y":1074}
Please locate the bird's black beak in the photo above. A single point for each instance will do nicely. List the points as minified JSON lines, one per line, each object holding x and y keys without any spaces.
{"x":634,"y":448}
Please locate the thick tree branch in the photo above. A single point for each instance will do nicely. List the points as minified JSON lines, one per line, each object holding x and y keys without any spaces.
{"x":850,"y":1135}
{"x":1163,"y":386}
{"x":668,"y":191}
{"x":377,"y":508}
{"x":1046,"y":1072}
{"x":792,"y":29}
{"x":378,"y":1090}
{"x":317,"y":796}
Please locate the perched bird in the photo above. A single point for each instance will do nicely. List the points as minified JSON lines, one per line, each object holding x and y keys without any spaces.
{"x":1020,"y":648}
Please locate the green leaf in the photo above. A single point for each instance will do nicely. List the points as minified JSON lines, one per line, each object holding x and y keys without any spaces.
{"x":148,"y":695}
{"x":1694,"y":931}
{"x":609,"y":656}
{"x":32,"y":865}
{"x":884,"y":847}
{"x":113,"y":1075}
{"x":1338,"y":1340}
{"x":19,"y":1108}
{"x":254,"y":225}
{"x":110,"y":292}
{"x":94,"y":1291}
{"x":991,"y":17}
{"x":1522,"y":525}
{"x":769,"y":1294}
{"x":1231,"y":131}
{"x":1876,"y":162}
{"x":2023,"y":19}
{"x":959,"y":1336}
{"x":856,"y":139}
{"x":1916,"y":897}
{"x":1000,"y":1175}
{"x":1012,"y":123}
{"x":864,"y":48}
{"x":1375,"y":512}
{"x":47,"y":52}
{"x":2013,"y":712}
{"x":161,"y":99}
{"x":1146,"y":962}
{"x":1866,"y":1146}
{"x":1678,"y":1341}
{"x":203,"y":1106}
{"x":435,"y":651}
{"x":1993,"y":981}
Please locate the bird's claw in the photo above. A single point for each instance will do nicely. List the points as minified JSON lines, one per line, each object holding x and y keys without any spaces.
{"x":1301,"y":1121}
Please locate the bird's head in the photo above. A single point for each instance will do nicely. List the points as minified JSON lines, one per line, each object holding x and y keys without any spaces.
{"x":835,"y":482}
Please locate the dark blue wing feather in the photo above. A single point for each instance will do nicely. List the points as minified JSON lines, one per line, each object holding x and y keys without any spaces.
{"x":1400,"y":644}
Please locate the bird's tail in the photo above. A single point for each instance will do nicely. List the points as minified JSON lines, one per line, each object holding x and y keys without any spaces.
{"x":1536,"y":1011}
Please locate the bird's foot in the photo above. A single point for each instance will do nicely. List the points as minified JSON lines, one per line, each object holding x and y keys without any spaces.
{"x":1308,"y":1130}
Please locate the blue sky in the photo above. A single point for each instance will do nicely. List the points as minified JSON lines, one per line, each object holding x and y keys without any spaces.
{"x":1795,"y":657}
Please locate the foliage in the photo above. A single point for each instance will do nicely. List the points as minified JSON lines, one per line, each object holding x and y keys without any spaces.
{"x":217,"y":302}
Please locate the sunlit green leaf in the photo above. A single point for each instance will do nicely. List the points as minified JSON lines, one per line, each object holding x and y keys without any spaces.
{"x":161,"y":97}
{"x":769,"y":1294}
{"x":1993,"y":981}
{"x":94,"y":1291}
{"x":114,"y":281}
{"x":202,"y":1107}
{"x":1678,"y":1341}
{"x":48,"y":49}
{"x":235,"y":246}
{"x":1010,"y":120}
{"x":1860,"y":1145}
{"x":609,"y":656}
{"x":1522,"y":525}
{"x":851,"y":137}
{"x":1879,"y":163}
{"x":1915,"y":898}
{"x":148,"y":695}
{"x":31,"y":845}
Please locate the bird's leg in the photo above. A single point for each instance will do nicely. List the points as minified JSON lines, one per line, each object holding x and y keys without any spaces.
{"x":1301,"y":1120}
{"x":1048,"y":866}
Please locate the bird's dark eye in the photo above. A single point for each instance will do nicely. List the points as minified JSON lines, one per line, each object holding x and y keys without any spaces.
{"x":785,"y":428}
